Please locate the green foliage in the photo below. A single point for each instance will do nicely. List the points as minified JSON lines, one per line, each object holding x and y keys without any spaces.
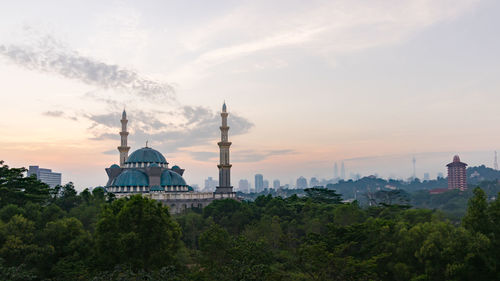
{"x":323,"y":195}
{"x":58,"y":234}
{"x":138,"y":233}
{"x":17,"y":189}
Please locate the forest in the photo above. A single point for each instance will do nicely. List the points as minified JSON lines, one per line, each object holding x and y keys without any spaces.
{"x":60,"y":234}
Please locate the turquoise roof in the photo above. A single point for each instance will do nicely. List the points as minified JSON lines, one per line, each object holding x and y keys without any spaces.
{"x":171,"y":178}
{"x":154,"y":165}
{"x":114,"y":166}
{"x":175,"y":167}
{"x":131,"y":178}
{"x":146,"y":155}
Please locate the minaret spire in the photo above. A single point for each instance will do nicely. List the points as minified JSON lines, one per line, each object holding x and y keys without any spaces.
{"x":224,"y":165}
{"x":123,"y":148}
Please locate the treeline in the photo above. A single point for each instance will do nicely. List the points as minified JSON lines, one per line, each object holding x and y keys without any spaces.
{"x":57,"y":234}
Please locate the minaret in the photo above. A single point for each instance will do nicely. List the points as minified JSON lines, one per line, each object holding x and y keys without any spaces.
{"x":123,"y":148}
{"x":224,"y":166}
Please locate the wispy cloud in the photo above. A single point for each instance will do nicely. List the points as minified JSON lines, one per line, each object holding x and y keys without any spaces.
{"x":58,"y":114}
{"x":323,"y":28}
{"x":194,"y":126}
{"x":241,"y":155}
{"x":49,"y":55}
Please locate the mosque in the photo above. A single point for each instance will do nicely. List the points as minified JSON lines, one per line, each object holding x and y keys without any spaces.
{"x":147,"y":172}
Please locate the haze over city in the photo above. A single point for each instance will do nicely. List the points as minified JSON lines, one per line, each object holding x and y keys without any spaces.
{"x":307,"y":84}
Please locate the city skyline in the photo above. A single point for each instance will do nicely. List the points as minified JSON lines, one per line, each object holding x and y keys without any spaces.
{"x":307,"y":85}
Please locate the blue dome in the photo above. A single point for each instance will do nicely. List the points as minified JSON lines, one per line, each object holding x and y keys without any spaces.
{"x":131,"y":178}
{"x":146,"y":155}
{"x":114,"y":166}
{"x":171,"y":178}
{"x":175,"y":167}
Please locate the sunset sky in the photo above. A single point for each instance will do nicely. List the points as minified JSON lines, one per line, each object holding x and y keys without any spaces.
{"x":307,"y":84}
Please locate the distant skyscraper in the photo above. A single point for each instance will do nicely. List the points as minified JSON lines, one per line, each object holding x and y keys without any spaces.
{"x":313,"y":182}
{"x":457,"y":175}
{"x":342,"y":171}
{"x":301,"y":183}
{"x":426,"y":177}
{"x":259,"y":183}
{"x":440,"y":175}
{"x":45,"y":175}
{"x":243,"y":186}
{"x":210,"y":184}
{"x":266,"y":184}
{"x":276,"y":184}
{"x":335,"y":171}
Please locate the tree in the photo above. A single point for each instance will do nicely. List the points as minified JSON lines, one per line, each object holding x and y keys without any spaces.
{"x":323,"y":195}
{"x":17,"y":189}
{"x":136,"y":232}
{"x":476,"y":218}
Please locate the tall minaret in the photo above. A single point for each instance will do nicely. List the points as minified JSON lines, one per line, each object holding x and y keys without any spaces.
{"x":224,"y":166}
{"x":123,"y":148}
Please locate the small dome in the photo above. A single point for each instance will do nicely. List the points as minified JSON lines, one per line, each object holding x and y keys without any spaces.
{"x":131,"y":178}
{"x":146,"y":155}
{"x":114,"y":166}
{"x":456,"y":158}
{"x":171,"y":178}
{"x":175,"y":167}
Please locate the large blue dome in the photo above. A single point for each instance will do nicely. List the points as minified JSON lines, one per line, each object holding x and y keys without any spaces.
{"x":131,"y":178}
{"x":171,"y":178}
{"x":146,"y":155}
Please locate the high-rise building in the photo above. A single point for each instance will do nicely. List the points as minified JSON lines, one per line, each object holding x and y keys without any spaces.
{"x":266,"y":184}
{"x":243,"y":186}
{"x":426,"y":177}
{"x":259,"y":183}
{"x":301,"y":183}
{"x":210,"y":184}
{"x":313,"y":182}
{"x":440,"y":175}
{"x":457,"y":175}
{"x":342,"y":171}
{"x":276,"y":184}
{"x":45,"y":175}
{"x":224,"y":165}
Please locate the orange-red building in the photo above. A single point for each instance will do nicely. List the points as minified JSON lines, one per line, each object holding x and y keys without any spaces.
{"x":457,"y":174}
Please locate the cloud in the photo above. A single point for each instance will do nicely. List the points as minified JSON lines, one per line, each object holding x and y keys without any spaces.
{"x":205,"y":156}
{"x":59,"y":114}
{"x":49,"y":55}
{"x":55,"y":113}
{"x":322,"y":28}
{"x":241,"y":156}
{"x":194,"y":125}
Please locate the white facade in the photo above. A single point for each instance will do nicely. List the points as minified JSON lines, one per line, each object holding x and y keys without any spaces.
{"x":45,"y":175}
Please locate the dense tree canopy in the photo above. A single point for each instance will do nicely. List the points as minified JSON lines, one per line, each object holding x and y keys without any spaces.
{"x":58,"y":234}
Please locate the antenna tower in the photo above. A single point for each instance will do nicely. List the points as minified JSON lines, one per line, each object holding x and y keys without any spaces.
{"x":414,"y":170}
{"x":495,"y":164}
